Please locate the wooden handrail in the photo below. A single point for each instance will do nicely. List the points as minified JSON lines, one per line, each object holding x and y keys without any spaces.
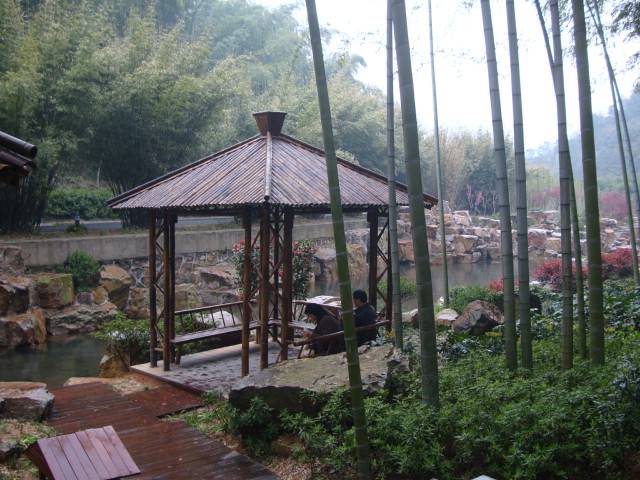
{"x":211,"y":307}
{"x":331,"y":336}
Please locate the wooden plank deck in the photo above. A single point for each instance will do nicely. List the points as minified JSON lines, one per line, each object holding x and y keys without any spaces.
{"x":162,"y":450}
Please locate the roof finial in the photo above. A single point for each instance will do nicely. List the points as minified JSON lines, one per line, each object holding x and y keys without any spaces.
{"x":269,"y":122}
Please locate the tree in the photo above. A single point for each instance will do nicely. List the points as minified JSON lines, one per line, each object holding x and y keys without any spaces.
{"x":617,"y":108}
{"x":396,"y":305}
{"x":436,"y":138}
{"x":557,"y":73}
{"x":594,"y":254}
{"x":521,"y":192}
{"x":506,"y":243}
{"x":355,"y":382}
{"x":426,"y":320}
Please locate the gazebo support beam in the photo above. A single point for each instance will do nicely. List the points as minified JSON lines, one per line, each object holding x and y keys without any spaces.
{"x":265,"y":231}
{"x":166,"y":268}
{"x":246,"y":289}
{"x":372,"y":218}
{"x":287,"y":283}
{"x":153,"y":311}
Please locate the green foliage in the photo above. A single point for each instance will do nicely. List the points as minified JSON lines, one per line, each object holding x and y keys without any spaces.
{"x":84,"y":269}
{"x":88,"y":203}
{"x":76,"y":229}
{"x":255,"y":425}
{"x":460,"y":297}
{"x":126,"y":339}
{"x":407,"y":287}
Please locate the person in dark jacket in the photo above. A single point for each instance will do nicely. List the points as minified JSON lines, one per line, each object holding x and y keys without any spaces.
{"x":325,"y":324}
{"x":364,"y":314}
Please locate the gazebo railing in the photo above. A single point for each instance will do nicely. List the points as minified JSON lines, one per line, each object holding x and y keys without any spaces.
{"x":211,"y":317}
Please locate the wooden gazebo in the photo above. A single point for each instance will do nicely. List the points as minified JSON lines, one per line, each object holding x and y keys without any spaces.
{"x":273,"y":177}
{"x":16,"y":159}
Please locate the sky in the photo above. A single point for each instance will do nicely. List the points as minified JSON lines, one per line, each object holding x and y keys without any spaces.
{"x":359,"y":26}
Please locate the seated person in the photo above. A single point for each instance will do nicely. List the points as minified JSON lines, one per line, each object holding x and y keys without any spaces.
{"x":325,"y":324}
{"x":364,"y":314}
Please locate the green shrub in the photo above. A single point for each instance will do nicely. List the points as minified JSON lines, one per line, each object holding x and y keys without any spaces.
{"x":460,"y":297}
{"x":407,"y":287}
{"x":255,"y":425}
{"x":126,"y":339}
{"x":89,"y":203}
{"x":80,"y":229}
{"x":84,"y":270}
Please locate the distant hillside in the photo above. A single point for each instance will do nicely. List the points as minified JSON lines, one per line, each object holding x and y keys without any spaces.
{"x":607,"y":155}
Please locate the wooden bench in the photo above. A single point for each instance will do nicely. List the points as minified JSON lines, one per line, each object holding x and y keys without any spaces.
{"x":93,"y":454}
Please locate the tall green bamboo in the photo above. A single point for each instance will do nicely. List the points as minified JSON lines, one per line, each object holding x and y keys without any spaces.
{"x":396,"y":303}
{"x":440,"y":189}
{"x":557,"y":72}
{"x":426,"y":321}
{"x":595,"y":17}
{"x":355,"y":382}
{"x":594,"y":254}
{"x":524,"y":295}
{"x":566,"y":333}
{"x":506,"y":242}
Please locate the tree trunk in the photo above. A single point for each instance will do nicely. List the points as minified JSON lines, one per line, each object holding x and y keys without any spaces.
{"x":521,"y":192}
{"x":440,"y":189}
{"x":426,"y":321}
{"x":594,"y":256}
{"x":355,"y":382}
{"x":396,"y":304}
{"x":557,"y":73}
{"x":506,"y":242}
{"x":595,"y":17}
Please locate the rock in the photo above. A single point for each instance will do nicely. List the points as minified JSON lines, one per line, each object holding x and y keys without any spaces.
{"x":85,"y":298}
{"x":25,"y":329}
{"x":25,"y":400}
{"x":53,"y":290}
{"x":187,"y":296}
{"x":358,"y":265}
{"x":446,"y":317}
{"x":325,"y":263}
{"x":551,"y":217}
{"x":537,"y":237}
{"x":488,"y":222}
{"x":302,"y":385}
{"x":464,"y":243}
{"x":432,"y":231}
{"x":11,"y":259}
{"x":410,"y":317}
{"x":112,"y":367}
{"x":14,"y":294}
{"x":535,"y":217}
{"x":608,"y":223}
{"x":493,"y":251}
{"x":468,"y":257}
{"x":79,"y":318}
{"x":220,"y":276}
{"x":100,"y":295}
{"x":116,"y":281}
{"x":553,"y":243}
{"x":405,"y":251}
{"x":479,"y":317}
{"x":138,"y":304}
{"x":9,"y":447}
{"x":462,"y":217}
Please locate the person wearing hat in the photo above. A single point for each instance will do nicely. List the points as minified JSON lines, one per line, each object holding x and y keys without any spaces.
{"x":325,"y":324}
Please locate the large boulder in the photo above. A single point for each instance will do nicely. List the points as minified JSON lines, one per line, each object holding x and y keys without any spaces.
{"x":358,"y":265}
{"x":53,"y":290}
{"x":14,"y":294}
{"x":405,"y":251}
{"x":300,"y":385}
{"x":446,"y":317}
{"x":117,"y":282}
{"x":11,"y":259}
{"x":187,"y":296}
{"x":325,"y":263}
{"x":79,"y":318}
{"x":25,"y":400}
{"x":138,"y":304}
{"x":220,"y":276}
{"x":462,"y":217}
{"x":538,"y":237}
{"x":24,"y":329}
{"x":479,"y":317}
{"x":464,"y":243}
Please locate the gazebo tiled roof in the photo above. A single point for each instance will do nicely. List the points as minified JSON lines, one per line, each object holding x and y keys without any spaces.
{"x":269,"y":167}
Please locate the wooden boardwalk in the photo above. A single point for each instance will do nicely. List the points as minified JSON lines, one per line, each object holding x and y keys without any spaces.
{"x":161,"y":449}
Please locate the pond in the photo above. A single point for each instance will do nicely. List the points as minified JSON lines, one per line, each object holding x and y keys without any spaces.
{"x":79,"y":356}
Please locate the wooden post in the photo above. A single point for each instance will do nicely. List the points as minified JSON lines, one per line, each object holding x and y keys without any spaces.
{"x":153,"y":311}
{"x":287,"y":283}
{"x":166,"y":262}
{"x":372,"y":218}
{"x":276,"y":260}
{"x":388,"y":307}
{"x":172,"y":274}
{"x":246,"y":288}
{"x":264,"y":286}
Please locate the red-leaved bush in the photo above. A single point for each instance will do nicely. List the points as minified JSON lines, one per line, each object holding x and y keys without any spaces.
{"x":617,"y":264}
{"x":613,"y":204}
{"x":550,"y":273}
{"x":497,"y":285}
